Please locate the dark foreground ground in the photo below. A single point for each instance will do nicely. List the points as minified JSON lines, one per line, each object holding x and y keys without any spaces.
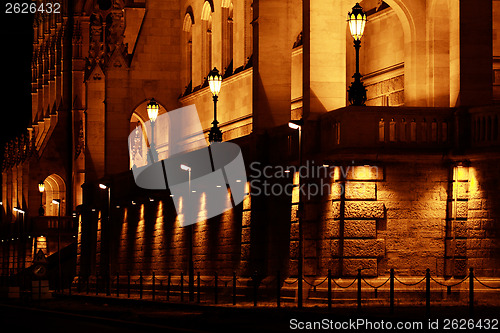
{"x":99,"y":314}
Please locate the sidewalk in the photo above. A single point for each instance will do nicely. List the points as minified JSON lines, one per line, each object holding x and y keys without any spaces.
{"x":193,"y":317}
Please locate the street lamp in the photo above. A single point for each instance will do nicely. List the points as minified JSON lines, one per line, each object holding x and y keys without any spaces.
{"x":357,"y":22}
{"x":152,"y":109}
{"x":20,"y":216}
{"x":215,"y":82}
{"x":104,"y":186}
{"x":41,"y":189}
{"x":59,"y":271}
{"x":190,"y":236}
{"x":297,"y":125}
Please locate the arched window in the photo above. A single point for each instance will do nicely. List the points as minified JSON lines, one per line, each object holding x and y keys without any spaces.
{"x":187,"y":42}
{"x":206,"y":30}
{"x":227,"y":37}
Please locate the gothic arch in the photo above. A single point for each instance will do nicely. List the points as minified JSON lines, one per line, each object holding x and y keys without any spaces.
{"x":206,"y":38}
{"x":226,"y":3}
{"x":140,"y":135}
{"x":55,"y":188}
{"x":187,"y":51}
{"x":411,"y":15}
{"x":208,"y":9}
{"x":188,"y":19}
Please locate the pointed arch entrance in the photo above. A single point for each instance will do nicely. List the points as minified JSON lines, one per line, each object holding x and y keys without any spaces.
{"x":140,"y":138}
{"x":55,"y":188}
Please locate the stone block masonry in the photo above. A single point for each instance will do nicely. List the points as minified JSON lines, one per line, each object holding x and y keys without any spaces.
{"x":398,"y":216}
{"x":406,"y":216}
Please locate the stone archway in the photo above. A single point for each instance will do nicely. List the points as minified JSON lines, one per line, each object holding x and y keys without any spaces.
{"x":55,"y":188}
{"x":140,"y":136}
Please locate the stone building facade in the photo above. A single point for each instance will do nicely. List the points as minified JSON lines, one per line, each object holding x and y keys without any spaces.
{"x":407,"y":182}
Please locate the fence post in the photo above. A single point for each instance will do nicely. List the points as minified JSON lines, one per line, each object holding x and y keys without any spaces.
{"x":198,"y":287}
{"x":154,"y":286}
{"x":427,"y":292}
{"x":255,"y":287}
{"x":329,"y":289}
{"x":216,"y":296}
{"x":471,"y":290}
{"x":108,"y":283}
{"x":140,"y":284}
{"x":234,"y":288}
{"x":79,"y":285}
{"x":117,"y":284}
{"x":168,"y":285}
{"x":97,"y":284}
{"x":128,"y":284}
{"x":359,"y":289}
{"x":391,"y":291}
{"x":278,"y":289}
{"x":182,"y":286}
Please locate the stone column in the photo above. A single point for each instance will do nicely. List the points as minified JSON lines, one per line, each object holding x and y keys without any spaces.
{"x":471,"y":53}
{"x":272,"y":58}
{"x":324,"y":65}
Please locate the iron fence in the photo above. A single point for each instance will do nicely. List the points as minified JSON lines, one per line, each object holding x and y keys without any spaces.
{"x":253,"y":290}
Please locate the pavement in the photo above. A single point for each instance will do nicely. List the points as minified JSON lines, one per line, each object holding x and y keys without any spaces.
{"x":84,"y":313}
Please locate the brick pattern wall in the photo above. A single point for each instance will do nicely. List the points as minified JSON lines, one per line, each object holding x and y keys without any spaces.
{"x":406,"y":216}
{"x":483,"y":217}
{"x":381,"y":218}
{"x":415,"y":196}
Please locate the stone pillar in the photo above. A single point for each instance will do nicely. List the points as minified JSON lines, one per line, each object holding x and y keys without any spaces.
{"x":324,"y":65}
{"x":272,"y":58}
{"x":471,"y":53}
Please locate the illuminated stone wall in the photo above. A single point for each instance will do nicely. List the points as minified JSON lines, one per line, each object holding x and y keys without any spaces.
{"x":151,"y":239}
{"x":483,"y":216}
{"x":406,"y":216}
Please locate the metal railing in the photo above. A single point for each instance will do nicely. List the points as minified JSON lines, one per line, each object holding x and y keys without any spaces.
{"x":246,"y":291}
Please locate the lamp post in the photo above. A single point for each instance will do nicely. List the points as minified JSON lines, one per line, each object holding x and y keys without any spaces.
{"x":152,"y":109}
{"x":215,"y":82}
{"x":357,"y":21}
{"x":297,"y":125}
{"x":190,"y":236}
{"x":22,"y":242}
{"x":41,"y":189}
{"x":59,"y":271}
{"x":104,"y":186}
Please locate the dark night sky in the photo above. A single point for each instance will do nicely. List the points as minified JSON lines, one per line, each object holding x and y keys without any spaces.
{"x":16,"y":33}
